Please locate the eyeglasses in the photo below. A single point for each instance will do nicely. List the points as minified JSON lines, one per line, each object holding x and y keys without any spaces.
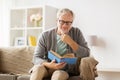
{"x":65,"y":22}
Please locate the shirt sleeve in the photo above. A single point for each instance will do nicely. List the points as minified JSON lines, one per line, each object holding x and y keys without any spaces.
{"x":83,"y":50}
{"x":40,"y":51}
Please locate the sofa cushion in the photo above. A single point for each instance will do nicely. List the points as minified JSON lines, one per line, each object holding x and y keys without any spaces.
{"x":16,"y":60}
{"x":23,"y":77}
{"x":7,"y":77}
{"x":27,"y":77}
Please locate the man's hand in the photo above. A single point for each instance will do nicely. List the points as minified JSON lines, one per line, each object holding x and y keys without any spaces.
{"x":54,"y":65}
{"x":68,"y":40}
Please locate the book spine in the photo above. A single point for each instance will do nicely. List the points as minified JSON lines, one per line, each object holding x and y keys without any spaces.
{"x":32,"y":40}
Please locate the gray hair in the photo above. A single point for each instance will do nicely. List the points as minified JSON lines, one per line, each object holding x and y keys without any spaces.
{"x":64,"y":11}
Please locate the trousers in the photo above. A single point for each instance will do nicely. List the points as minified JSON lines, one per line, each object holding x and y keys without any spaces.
{"x":39,"y":72}
{"x":86,"y":67}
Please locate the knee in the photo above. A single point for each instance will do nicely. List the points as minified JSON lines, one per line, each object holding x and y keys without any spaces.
{"x":38,"y":72}
{"x":89,"y":60}
{"x":88,"y":67}
{"x":60,"y":75}
{"x":38,"y":68}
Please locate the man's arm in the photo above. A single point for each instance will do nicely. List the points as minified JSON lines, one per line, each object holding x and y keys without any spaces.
{"x":79,"y":45}
{"x":54,"y":65}
{"x":39,"y":52}
{"x":67,"y":39}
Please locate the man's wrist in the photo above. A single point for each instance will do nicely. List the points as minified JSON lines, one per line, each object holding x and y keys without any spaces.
{"x":74,"y":45}
{"x":45,"y":64}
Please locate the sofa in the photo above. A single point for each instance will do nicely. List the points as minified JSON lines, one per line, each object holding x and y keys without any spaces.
{"x":15,"y":63}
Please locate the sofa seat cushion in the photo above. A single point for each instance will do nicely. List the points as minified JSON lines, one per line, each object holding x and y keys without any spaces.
{"x":23,"y":77}
{"x":7,"y":77}
{"x":17,"y":60}
{"x":27,"y":77}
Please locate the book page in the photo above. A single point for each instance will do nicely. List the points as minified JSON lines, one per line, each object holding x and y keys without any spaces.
{"x":69,"y":55}
{"x":56,"y":54}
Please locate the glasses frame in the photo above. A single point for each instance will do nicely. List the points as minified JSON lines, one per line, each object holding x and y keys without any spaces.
{"x":62,"y":22}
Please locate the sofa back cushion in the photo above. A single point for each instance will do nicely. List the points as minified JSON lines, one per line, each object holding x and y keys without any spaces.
{"x":17,"y":60}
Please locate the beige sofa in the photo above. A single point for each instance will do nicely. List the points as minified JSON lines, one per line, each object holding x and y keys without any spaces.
{"x":15,"y":63}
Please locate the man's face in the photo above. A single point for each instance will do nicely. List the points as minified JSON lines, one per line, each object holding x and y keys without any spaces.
{"x":64,"y":23}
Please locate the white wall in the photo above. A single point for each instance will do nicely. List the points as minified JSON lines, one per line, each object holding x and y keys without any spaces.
{"x":5,"y":6}
{"x":94,"y":17}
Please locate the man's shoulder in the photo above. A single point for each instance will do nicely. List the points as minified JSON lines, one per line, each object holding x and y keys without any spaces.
{"x":75,"y":29}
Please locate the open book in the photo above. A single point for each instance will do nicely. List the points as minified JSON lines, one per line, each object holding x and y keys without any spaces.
{"x":68,"y":58}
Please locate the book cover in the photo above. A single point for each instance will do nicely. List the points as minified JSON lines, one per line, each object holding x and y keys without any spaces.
{"x":32,"y":40}
{"x":68,"y":58}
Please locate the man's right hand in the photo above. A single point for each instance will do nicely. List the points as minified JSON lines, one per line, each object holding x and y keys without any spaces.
{"x":54,"y":65}
{"x":67,"y":39}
